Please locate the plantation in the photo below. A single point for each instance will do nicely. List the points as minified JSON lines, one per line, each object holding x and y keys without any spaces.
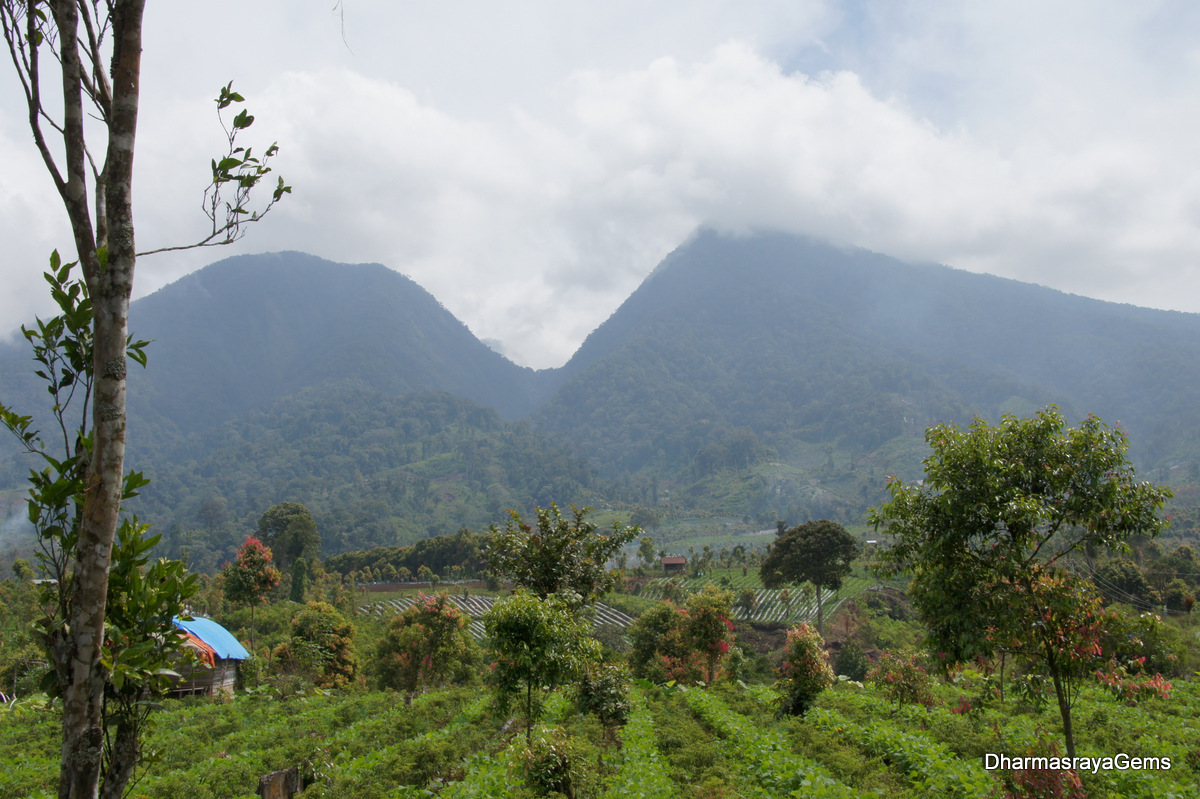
{"x":724,"y":741}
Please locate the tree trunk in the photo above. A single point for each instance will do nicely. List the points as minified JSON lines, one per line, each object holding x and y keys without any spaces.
{"x":123,"y":755}
{"x":108,"y":269}
{"x":1064,"y":701}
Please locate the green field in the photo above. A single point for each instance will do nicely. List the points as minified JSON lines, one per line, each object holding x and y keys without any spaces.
{"x":721,"y":742}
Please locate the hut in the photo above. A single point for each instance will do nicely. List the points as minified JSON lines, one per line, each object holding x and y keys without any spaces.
{"x":673,"y":564}
{"x":218,"y":653}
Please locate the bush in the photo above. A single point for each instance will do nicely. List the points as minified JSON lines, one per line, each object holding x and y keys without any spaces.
{"x":604,"y":691}
{"x":903,"y":680}
{"x":804,"y":672}
{"x":852,"y":662}
{"x":557,"y":763}
{"x":426,"y":646}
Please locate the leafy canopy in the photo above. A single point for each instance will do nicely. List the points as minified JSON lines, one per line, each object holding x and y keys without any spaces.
{"x":985,"y":536}
{"x":1002,"y":503}
{"x":561,"y":555}
{"x":819,"y":552}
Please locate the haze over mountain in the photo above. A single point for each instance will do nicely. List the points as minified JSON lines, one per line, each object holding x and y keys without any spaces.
{"x":755,"y":377}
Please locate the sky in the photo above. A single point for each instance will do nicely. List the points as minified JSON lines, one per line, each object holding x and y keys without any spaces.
{"x":530,"y":163}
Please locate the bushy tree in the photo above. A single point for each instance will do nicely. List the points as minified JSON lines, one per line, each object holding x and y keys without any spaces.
{"x":804,"y":671}
{"x":903,"y":679}
{"x":984,"y":537}
{"x":687,"y":644}
{"x":818,"y":552}
{"x":537,"y":644}
{"x":321,"y":647}
{"x":249,"y":576}
{"x":426,"y":645}
{"x":290,"y":531}
{"x":604,"y":691}
{"x":299,"y":580}
{"x":560,"y":556}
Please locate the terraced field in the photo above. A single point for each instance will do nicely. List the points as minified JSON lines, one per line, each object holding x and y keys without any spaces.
{"x":476,"y":606}
{"x":770,"y":605}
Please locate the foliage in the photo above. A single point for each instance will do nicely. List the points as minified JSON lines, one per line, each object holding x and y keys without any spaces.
{"x":688,"y":644}
{"x":299,"y":580}
{"x":851,"y":662}
{"x":537,"y":644}
{"x":819,"y":552}
{"x":289,"y":531}
{"x":903,"y":679}
{"x":983,"y":536}
{"x":603,"y":691}
{"x":804,"y":672}
{"x":250,"y":576}
{"x":141,"y":643}
{"x":425,"y":646}
{"x":708,"y":628}
{"x":321,"y":648}
{"x":555,"y":764}
{"x":562,"y":555}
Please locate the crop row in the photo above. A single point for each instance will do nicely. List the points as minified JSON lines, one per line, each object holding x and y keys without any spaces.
{"x":770,"y":605}
{"x":642,"y":773}
{"x":768,"y":764}
{"x":475,"y":607}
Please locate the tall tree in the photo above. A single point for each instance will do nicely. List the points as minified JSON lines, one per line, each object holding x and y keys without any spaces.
{"x":290,"y":531}
{"x":559,"y":555}
{"x":818,"y":552}
{"x":984,"y":536}
{"x":249,"y":577}
{"x":538,"y":644}
{"x":95,"y":51}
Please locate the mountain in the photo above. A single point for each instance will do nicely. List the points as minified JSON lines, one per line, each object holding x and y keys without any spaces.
{"x":248,"y":330}
{"x":749,"y":378}
{"x":796,"y":341}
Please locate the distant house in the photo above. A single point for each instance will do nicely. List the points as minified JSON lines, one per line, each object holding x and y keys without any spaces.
{"x":674,"y":563}
{"x":217,"y":656}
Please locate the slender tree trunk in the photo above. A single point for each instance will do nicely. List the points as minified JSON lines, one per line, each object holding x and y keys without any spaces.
{"x":108,"y":268}
{"x":1064,"y":701}
{"x":124,"y":752}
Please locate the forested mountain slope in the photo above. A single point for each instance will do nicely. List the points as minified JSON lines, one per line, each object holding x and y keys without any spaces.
{"x":758,"y":377}
{"x":797,"y":341}
{"x":251,"y":329}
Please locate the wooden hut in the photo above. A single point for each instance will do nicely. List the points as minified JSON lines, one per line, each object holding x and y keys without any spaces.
{"x":673,"y":564}
{"x":218,"y":653}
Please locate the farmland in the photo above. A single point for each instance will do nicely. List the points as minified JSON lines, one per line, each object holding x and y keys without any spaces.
{"x":724,"y":741}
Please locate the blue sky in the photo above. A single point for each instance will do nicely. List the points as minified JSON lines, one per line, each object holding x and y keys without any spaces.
{"x":530,"y":164}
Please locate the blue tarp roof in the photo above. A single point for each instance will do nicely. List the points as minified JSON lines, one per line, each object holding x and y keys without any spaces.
{"x":216,"y":636}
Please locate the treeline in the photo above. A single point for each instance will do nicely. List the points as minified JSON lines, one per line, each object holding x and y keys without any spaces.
{"x":461,"y":553}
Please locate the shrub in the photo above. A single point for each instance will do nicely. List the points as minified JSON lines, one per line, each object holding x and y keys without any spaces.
{"x":804,"y":672}
{"x":604,"y":691}
{"x":557,"y":763}
{"x":321,"y":648}
{"x":852,"y":662}
{"x":426,"y":645}
{"x":903,"y":680}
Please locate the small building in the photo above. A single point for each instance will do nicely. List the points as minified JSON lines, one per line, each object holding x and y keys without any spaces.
{"x":217,"y":656}
{"x":674,"y":563}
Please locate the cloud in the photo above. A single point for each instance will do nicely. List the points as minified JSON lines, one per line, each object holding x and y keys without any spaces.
{"x":530,"y":175}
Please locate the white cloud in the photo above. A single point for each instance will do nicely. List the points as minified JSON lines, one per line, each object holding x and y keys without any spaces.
{"x":530,"y":168}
